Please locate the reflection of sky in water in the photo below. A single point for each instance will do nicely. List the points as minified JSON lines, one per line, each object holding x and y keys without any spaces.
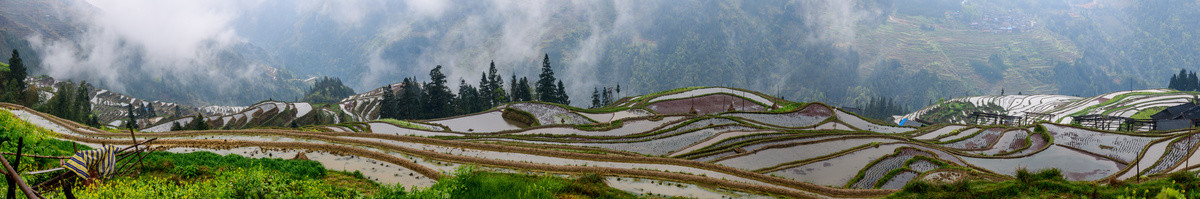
{"x":1074,"y":165}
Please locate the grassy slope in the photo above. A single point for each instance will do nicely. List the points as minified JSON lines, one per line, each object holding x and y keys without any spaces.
{"x":472,"y":184}
{"x":949,"y":48}
{"x":208,"y":175}
{"x":1050,"y":184}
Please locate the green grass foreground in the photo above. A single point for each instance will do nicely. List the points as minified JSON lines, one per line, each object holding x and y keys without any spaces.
{"x":209,"y":175}
{"x":1050,"y":184}
{"x":467,"y":183}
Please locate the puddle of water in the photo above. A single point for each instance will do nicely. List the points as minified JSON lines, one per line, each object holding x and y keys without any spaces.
{"x":1121,"y":147}
{"x":627,"y":128}
{"x":837,"y":171}
{"x":1175,"y":155}
{"x":659,"y":188}
{"x":868,"y":126}
{"x":302,"y":109}
{"x":793,"y":120}
{"x":776,"y":156}
{"x":619,"y":115}
{"x":486,"y":122}
{"x":718,"y":138}
{"x":561,"y":161}
{"x":983,"y":139}
{"x":1152,"y":155}
{"x":961,"y":134}
{"x":660,"y":146}
{"x":386,"y":128}
{"x":1076,"y":166}
{"x":939,"y":132}
{"x":881,"y":168}
{"x":899,"y":180}
{"x":549,"y":114}
{"x":1010,"y":141}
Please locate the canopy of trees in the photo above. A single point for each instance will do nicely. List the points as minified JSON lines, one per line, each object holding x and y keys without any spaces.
{"x":1184,"y":81}
{"x":71,"y":102}
{"x":327,"y":90}
{"x":433,"y":99}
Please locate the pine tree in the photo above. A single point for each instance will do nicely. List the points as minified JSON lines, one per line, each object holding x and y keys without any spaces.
{"x":485,"y":84}
{"x":1193,"y":83}
{"x":132,"y":124}
{"x":410,"y":100}
{"x":150,"y":113}
{"x":437,"y":94}
{"x":1181,"y":82}
{"x":175,"y":126}
{"x":59,"y":104}
{"x":618,"y":91}
{"x":546,"y":90}
{"x":1174,"y":83}
{"x":607,"y":96}
{"x":83,"y":104}
{"x":496,"y":92}
{"x":17,"y":70}
{"x":468,"y":98}
{"x":604,"y":96}
{"x":512,"y":88}
{"x":595,"y":97}
{"x":387,"y":105}
{"x":562,"y":97}
{"x":525,"y":93}
{"x":200,"y":122}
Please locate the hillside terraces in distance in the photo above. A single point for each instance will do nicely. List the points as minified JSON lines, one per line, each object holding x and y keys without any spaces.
{"x":111,"y":107}
{"x":262,"y":114}
{"x":1137,"y":104}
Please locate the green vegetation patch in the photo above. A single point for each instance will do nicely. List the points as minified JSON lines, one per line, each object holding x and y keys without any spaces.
{"x":208,"y":175}
{"x":405,"y":124}
{"x":788,"y":107}
{"x":1050,"y":184}
{"x":184,"y":162}
{"x":601,"y":126}
{"x":238,"y":182}
{"x":520,"y":116}
{"x":467,"y":183}
{"x":1117,"y":99}
{"x":1145,"y":114}
{"x":38,"y":141}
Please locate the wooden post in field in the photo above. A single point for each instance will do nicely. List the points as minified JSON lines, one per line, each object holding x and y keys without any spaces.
{"x":12,"y":190}
{"x":67,"y":186}
{"x":137,"y":152}
{"x":13,"y":176}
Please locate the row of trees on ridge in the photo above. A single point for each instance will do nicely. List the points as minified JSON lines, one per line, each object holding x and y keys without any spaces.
{"x":433,"y":99}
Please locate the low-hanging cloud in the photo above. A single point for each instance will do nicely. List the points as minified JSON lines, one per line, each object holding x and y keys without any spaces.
{"x":182,"y":37}
{"x":514,"y":35}
{"x":143,"y":38}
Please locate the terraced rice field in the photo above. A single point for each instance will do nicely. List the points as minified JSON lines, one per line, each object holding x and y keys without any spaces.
{"x":810,"y":151}
{"x":1061,"y":108}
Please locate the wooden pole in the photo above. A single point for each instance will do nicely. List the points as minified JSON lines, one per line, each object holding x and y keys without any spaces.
{"x":135,"y":148}
{"x":12,"y":191}
{"x":67,"y":186}
{"x":12,"y":173}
